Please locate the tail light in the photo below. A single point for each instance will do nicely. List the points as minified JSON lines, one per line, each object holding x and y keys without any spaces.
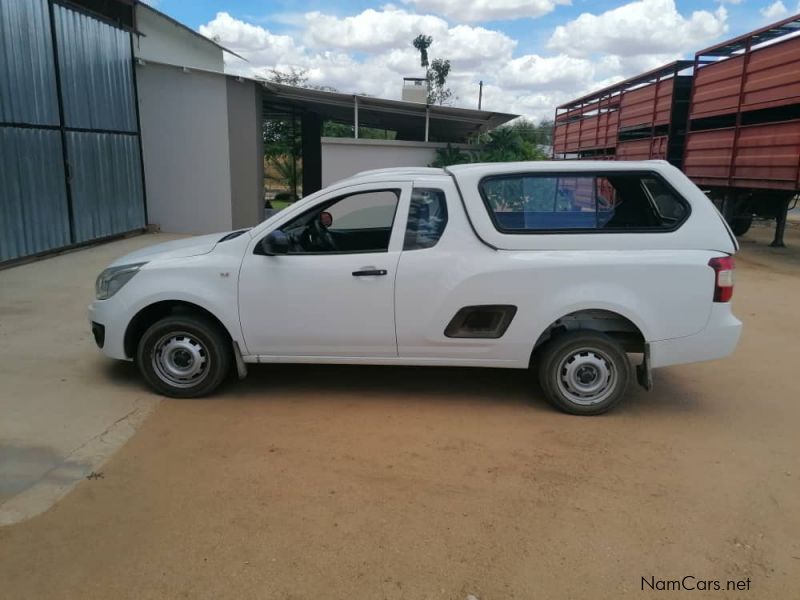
{"x":724,"y":268}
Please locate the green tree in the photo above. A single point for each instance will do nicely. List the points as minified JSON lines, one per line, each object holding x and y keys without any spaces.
{"x":283,"y":137}
{"x":438,"y":92}
{"x":297,"y":78}
{"x":294,"y":76}
{"x":541,"y":133}
{"x":450,"y":155}
{"x":504,"y":144}
{"x":436,"y":71}
{"x":287,"y":172}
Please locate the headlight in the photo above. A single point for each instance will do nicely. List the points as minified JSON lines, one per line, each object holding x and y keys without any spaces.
{"x":110,"y":281}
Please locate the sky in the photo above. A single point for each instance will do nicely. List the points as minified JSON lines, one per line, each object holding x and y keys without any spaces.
{"x":531,"y":54}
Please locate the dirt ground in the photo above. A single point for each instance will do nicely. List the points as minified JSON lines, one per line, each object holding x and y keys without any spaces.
{"x":372,"y":482}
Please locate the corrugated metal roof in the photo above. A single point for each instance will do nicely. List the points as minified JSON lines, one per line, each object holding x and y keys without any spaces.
{"x":27,"y":74}
{"x":445,"y":121}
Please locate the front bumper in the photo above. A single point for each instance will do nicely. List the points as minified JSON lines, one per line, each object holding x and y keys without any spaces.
{"x":99,"y":333}
{"x":104,"y":315}
{"x":717,"y":340}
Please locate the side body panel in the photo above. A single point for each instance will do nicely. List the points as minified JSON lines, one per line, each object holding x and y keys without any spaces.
{"x":661,"y":282}
{"x":666,"y":294}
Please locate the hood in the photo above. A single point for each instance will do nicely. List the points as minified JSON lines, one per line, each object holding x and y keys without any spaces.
{"x":192,"y":246}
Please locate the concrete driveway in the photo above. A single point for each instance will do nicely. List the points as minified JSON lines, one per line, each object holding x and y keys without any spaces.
{"x":64,"y":407}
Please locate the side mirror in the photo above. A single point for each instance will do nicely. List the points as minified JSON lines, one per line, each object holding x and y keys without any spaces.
{"x":275,"y":243}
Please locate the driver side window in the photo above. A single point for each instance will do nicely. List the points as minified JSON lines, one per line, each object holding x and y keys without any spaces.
{"x":358,"y":222}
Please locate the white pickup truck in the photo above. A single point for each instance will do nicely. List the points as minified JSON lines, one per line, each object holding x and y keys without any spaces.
{"x":564,"y":267}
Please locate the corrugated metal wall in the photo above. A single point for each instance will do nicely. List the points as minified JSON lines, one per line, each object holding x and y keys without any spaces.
{"x":96,"y":73}
{"x":27,"y":73}
{"x":106,"y":184}
{"x":33,"y":197}
{"x":43,"y":205}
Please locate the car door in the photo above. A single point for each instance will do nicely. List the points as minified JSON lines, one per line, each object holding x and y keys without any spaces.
{"x":333,"y":297}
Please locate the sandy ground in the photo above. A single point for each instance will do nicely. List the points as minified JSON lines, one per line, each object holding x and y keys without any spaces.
{"x":354,"y":482}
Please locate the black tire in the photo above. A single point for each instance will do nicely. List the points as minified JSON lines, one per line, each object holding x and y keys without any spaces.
{"x":741,"y":224}
{"x":172,"y":349}
{"x":592,"y":354}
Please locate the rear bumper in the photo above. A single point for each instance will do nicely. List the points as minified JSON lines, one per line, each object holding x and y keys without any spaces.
{"x":717,"y":340}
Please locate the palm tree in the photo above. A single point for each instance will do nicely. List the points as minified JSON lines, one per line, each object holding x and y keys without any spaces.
{"x":287,"y":172}
{"x":422,"y":43}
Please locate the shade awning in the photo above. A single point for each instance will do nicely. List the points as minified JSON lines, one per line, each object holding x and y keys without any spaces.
{"x":446,"y":123}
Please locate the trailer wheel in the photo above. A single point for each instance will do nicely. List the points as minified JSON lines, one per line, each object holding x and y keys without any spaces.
{"x":741,"y":223}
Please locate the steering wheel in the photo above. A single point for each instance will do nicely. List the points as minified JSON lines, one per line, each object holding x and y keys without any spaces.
{"x":320,"y":238}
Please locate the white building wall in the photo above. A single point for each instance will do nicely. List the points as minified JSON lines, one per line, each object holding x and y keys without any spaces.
{"x":343,"y":157}
{"x":167,"y":42}
{"x":184,"y":120}
{"x":246,"y":144}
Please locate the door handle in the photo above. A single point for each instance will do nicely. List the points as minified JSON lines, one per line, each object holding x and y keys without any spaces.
{"x":369,"y":272}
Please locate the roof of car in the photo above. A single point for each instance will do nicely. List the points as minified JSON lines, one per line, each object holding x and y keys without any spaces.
{"x":396,"y":172}
{"x":401,"y":171}
{"x":480,"y":169}
{"x":555,"y":165}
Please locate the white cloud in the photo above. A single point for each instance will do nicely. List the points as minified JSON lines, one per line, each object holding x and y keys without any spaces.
{"x":370,"y":52}
{"x":775,"y":11}
{"x":465,"y":45}
{"x":258,"y":44}
{"x":393,"y":28}
{"x":371,"y":29}
{"x":385,"y":36}
{"x":639,"y":28}
{"x":546,"y":73}
{"x":488,"y":10}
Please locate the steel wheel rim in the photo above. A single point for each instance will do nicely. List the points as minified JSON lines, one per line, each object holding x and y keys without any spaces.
{"x":587,"y":376}
{"x":180,"y":359}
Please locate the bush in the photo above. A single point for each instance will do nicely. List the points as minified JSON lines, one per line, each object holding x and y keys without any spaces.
{"x":504,"y":144}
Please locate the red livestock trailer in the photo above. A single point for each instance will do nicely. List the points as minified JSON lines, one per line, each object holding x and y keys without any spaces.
{"x":637,"y":119}
{"x":730,"y":119}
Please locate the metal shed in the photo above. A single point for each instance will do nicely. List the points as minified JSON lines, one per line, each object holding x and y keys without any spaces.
{"x":70,"y":159}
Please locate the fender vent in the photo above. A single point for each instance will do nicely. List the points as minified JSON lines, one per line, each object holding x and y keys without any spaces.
{"x":488,"y":321}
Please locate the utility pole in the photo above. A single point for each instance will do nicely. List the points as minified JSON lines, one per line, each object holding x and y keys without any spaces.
{"x":480,"y":94}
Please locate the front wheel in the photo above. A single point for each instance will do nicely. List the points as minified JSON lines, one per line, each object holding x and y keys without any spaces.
{"x":584,"y":372}
{"x":183,"y":356}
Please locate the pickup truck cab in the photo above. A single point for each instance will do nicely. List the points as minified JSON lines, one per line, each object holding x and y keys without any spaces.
{"x":564,"y":267}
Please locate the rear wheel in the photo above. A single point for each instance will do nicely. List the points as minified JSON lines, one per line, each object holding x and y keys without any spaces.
{"x":183,"y":356}
{"x":584,"y":372}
